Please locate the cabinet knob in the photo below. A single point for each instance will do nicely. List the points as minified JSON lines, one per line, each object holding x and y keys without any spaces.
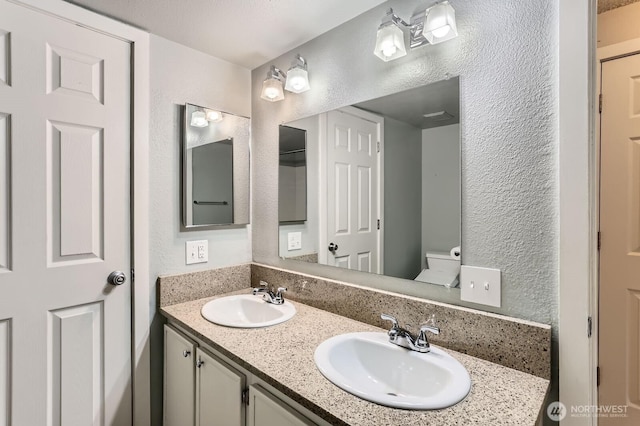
{"x":199,"y":363}
{"x":186,"y":354}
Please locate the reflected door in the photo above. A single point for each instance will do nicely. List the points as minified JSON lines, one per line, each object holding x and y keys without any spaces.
{"x":619,"y":331}
{"x":65,"y":333}
{"x":353,"y":191}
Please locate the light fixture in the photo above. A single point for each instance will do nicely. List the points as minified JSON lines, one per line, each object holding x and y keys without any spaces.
{"x":272,"y":87}
{"x":213,"y":116}
{"x":199,"y":119}
{"x":440,"y":23}
{"x":390,"y":38}
{"x":298,"y":76}
{"x":438,"y":116}
{"x":429,"y":26}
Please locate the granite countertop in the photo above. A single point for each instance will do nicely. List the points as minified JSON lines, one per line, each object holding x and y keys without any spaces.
{"x":282,"y":356}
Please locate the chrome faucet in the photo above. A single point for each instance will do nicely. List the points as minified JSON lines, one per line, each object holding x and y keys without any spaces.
{"x":403,"y":337}
{"x":277,"y":297}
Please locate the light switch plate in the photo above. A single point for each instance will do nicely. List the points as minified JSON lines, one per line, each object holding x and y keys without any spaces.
{"x":480,"y":285}
{"x":197,"y":251}
{"x":294,"y":241}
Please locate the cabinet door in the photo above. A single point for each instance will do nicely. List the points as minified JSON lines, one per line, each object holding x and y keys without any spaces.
{"x":266,"y":410}
{"x":219,"y":393}
{"x":179,"y":379}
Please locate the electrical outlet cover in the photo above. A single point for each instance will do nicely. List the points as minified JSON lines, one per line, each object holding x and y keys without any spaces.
{"x":294,"y":241}
{"x":197,"y":251}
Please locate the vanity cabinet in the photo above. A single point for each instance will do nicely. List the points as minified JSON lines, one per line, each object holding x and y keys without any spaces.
{"x":267,"y":410}
{"x":202,"y":389}
{"x":179,"y":379}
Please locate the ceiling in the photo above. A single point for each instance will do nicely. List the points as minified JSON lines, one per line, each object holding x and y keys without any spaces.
{"x":244,"y":32}
{"x":411,"y":105}
{"x":606,"y":5}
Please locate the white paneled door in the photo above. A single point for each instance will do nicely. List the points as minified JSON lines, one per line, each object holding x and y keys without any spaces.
{"x":353,"y":191}
{"x":65,"y":331}
{"x":619,"y":332}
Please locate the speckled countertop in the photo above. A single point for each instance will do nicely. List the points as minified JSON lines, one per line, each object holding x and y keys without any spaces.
{"x":282,"y":356}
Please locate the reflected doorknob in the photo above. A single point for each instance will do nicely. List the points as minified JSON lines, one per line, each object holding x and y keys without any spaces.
{"x":333,"y":247}
{"x":116,"y":278}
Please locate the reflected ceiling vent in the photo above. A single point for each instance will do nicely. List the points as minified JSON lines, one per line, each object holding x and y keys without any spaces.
{"x":438,"y":116}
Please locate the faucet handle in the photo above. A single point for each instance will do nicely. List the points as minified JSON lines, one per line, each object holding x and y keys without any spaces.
{"x":430,"y":326}
{"x":264,"y":284}
{"x":280,"y":291}
{"x":393,"y":320}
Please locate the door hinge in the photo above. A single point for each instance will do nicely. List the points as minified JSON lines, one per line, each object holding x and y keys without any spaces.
{"x":589,"y":327}
{"x":378,"y":146}
{"x":598,"y":376}
{"x":600,"y":103}
{"x":378,"y":223}
{"x":599,"y":241}
{"x":133,"y":275}
{"x":245,"y":396}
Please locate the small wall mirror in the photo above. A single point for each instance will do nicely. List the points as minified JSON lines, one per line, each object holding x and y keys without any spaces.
{"x":215,"y":168}
{"x":292,"y":175}
{"x":384,"y":187}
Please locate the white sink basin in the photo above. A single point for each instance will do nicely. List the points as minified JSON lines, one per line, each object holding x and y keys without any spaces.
{"x":368,"y":366}
{"x":246,"y":311}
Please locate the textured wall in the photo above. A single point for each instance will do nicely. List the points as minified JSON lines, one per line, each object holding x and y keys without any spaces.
{"x":180,"y":75}
{"x":506,"y":57}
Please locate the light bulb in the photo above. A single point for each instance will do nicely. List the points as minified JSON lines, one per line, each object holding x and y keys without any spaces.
{"x":271,"y":92}
{"x":297,"y":83}
{"x":297,"y":80}
{"x":214,"y":116}
{"x":442,"y":31}
{"x":389,"y":49}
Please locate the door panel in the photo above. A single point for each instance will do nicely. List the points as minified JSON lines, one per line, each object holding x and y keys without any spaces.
{"x":619,"y":335}
{"x":266,"y":410}
{"x":5,"y":372}
{"x":65,"y":203}
{"x":218,"y":400}
{"x":76,"y":365}
{"x":179,"y":379}
{"x":5,"y":188}
{"x":5,"y":58}
{"x":352,"y":192}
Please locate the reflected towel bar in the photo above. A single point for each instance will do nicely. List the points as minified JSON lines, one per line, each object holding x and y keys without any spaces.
{"x":210,"y":203}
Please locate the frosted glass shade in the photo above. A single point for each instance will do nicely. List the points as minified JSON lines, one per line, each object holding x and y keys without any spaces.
{"x":440,"y":23}
{"x":390,"y":43}
{"x":297,"y":80}
{"x":272,"y":90}
{"x":214,"y":116}
{"x":199,"y":119}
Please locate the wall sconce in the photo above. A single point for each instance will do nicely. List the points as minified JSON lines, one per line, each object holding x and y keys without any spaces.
{"x":199,"y":119}
{"x":430,"y":26}
{"x":296,"y":80}
{"x":213,"y":116}
{"x":272,"y":87}
{"x":203,"y":118}
{"x":298,"y":76}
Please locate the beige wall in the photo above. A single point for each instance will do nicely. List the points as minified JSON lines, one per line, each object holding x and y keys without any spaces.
{"x":618,"y":25}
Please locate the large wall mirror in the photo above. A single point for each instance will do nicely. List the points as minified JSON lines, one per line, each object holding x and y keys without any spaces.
{"x":215,"y":168}
{"x":382,"y":186}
